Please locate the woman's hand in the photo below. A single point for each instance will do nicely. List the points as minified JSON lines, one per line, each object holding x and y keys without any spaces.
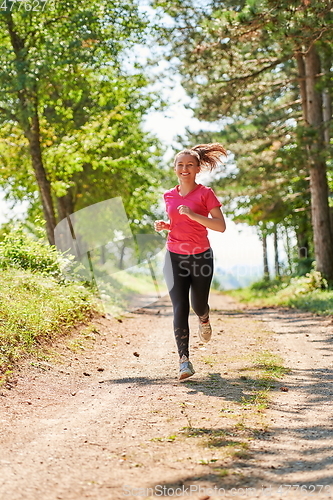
{"x":216,"y":221}
{"x":160,"y":225}
{"x":185,"y":210}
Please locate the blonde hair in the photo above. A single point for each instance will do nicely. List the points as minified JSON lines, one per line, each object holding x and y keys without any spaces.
{"x":208,"y":155}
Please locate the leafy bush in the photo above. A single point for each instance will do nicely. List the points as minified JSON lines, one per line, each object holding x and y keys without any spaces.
{"x":286,"y":286}
{"x":19,"y":250}
{"x":303,"y":265}
{"x":35,"y":308}
{"x":266,"y":285}
{"x":303,"y":285}
{"x":266,"y":288}
{"x":309,"y":292}
{"x":318,"y":301}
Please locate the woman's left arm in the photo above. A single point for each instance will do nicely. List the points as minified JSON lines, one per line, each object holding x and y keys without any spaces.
{"x":216,"y":222}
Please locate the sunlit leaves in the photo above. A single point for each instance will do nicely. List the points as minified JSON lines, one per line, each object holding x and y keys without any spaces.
{"x":65,"y":65}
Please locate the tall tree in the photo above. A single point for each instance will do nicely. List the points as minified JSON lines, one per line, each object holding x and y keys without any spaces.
{"x":41,"y":51}
{"x":92,"y":158}
{"x":315,"y":118}
{"x":240,"y":58}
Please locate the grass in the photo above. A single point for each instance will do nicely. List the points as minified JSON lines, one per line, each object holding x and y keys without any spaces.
{"x":318,"y":301}
{"x":202,"y":431}
{"x":38,"y":305}
{"x":218,"y":439}
{"x":169,"y":439}
{"x":223,"y":423}
{"x":266,"y":369}
{"x":309,"y":293}
{"x":271,"y":365}
{"x":243,"y":417}
{"x":35,"y":308}
{"x":259,"y":399}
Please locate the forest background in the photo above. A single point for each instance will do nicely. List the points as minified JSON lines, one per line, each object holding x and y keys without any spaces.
{"x":258,"y":75}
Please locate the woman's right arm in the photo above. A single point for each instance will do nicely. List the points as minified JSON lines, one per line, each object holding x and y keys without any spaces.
{"x":160,"y":225}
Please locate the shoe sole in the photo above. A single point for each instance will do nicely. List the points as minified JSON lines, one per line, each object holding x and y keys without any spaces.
{"x":185,"y":375}
{"x":202,"y":339}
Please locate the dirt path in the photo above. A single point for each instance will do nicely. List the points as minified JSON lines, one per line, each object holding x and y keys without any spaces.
{"x":104,"y":417}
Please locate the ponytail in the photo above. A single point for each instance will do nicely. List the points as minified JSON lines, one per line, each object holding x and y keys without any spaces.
{"x":208,"y":155}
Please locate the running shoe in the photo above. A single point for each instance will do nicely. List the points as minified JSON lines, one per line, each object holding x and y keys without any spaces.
{"x":185,"y":368}
{"x":205,"y":331}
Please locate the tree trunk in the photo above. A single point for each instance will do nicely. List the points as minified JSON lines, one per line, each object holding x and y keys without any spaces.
{"x":264,"y":254}
{"x":302,"y":84}
{"x":65,"y":205}
{"x":327,"y":99}
{"x":318,"y":178}
{"x":29,"y":121}
{"x":33,"y":135}
{"x":303,"y":232}
{"x":276,"y":252}
{"x":327,"y":115}
{"x":288,"y":250}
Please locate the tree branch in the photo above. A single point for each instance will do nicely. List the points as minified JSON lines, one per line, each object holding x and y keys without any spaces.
{"x":7,"y":113}
{"x":16,"y":40}
{"x":256,"y":73}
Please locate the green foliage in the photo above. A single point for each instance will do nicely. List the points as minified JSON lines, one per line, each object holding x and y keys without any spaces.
{"x":303,"y":285}
{"x":21,"y":251}
{"x":318,"y":302}
{"x":286,"y":286}
{"x":238,"y":62}
{"x":70,"y":71}
{"x":36,"y":308}
{"x":303,"y":265}
{"x":268,"y":286}
{"x":309,"y":292}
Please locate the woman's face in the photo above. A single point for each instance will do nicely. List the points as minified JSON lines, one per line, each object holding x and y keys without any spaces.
{"x":187,"y":167}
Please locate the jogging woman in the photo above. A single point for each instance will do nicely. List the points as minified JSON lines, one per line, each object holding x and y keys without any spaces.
{"x":192,"y":208}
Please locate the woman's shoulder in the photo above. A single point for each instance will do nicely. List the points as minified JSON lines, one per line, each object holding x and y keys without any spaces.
{"x":206,"y":190}
{"x":171,"y":192}
{"x":209,"y":198}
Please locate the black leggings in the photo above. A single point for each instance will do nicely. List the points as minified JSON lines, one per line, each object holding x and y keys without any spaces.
{"x":182,"y":274}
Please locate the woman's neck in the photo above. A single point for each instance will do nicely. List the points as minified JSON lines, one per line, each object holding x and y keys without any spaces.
{"x":185,"y":188}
